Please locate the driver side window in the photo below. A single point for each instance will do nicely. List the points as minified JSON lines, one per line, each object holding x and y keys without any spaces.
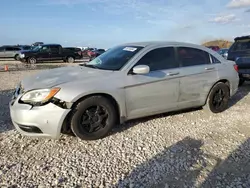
{"x":45,"y":49}
{"x":159,"y":59}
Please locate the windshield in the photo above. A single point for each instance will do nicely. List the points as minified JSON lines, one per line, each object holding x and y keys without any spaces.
{"x":36,"y":48}
{"x":115,"y":58}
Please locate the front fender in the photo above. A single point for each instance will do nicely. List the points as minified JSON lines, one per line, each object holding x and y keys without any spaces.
{"x":73,"y":97}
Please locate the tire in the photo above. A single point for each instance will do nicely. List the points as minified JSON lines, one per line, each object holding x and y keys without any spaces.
{"x":70,"y":59}
{"x":241,"y":82}
{"x":84,"y":110}
{"x":32,"y":60}
{"x":214,"y":98}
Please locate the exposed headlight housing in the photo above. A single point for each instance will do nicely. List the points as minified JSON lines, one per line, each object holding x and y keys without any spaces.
{"x":39,"y":95}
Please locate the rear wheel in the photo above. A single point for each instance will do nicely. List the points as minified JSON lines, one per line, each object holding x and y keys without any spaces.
{"x":218,"y":98}
{"x":93,"y":118}
{"x":70,"y":59}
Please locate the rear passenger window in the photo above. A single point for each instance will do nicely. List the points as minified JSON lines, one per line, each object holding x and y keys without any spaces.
{"x":9,"y":49}
{"x":159,"y":59}
{"x":54,"y":49}
{"x":214,"y":60}
{"x":16,"y":49}
{"x":192,"y":56}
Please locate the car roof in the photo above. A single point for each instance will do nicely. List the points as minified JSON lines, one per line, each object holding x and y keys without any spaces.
{"x":242,"y":38}
{"x":155,"y":43}
{"x":50,"y":44}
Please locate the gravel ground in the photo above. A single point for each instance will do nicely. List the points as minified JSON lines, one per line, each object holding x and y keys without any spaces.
{"x":19,"y":66}
{"x":188,"y":149}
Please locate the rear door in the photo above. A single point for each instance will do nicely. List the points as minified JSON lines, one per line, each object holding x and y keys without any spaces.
{"x":55,"y":52}
{"x":10,"y":52}
{"x":198,"y":75}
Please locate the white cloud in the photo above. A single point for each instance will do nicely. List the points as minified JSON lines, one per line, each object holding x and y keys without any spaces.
{"x":246,"y":25}
{"x":223,"y":19}
{"x":238,"y":3}
{"x":154,"y":12}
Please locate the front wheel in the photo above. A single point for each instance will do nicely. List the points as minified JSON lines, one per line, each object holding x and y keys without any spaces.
{"x":32,"y":60}
{"x":218,"y":98}
{"x":93,"y":118}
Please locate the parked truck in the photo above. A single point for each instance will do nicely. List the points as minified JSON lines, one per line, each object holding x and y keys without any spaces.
{"x":49,"y":52}
{"x":240,"y":53}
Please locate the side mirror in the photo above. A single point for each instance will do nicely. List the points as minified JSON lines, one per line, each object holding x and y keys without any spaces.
{"x":141,"y":69}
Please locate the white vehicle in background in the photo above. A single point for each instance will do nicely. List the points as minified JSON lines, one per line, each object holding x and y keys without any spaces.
{"x":83,"y":48}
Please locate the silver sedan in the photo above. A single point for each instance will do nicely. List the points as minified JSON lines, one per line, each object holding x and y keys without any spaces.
{"x":126,"y":82}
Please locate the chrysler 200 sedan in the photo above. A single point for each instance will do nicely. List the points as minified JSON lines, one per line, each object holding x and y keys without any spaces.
{"x":126,"y":82}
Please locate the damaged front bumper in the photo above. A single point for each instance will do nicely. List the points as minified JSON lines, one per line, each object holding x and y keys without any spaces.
{"x":37,"y":121}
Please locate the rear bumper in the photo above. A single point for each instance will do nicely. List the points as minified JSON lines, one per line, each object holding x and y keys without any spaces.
{"x":234,"y":85}
{"x":245,"y":76}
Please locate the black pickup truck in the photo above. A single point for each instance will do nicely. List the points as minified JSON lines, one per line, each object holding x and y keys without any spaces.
{"x":240,"y":53}
{"x":49,"y":52}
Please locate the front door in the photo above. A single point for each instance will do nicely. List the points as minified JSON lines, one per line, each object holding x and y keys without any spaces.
{"x":198,"y":74}
{"x":157,"y":91}
{"x":43,"y":53}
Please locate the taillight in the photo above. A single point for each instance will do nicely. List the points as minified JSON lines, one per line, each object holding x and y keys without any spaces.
{"x":236,"y":68}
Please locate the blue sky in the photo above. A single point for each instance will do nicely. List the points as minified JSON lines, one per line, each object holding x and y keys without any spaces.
{"x":105,"y":23}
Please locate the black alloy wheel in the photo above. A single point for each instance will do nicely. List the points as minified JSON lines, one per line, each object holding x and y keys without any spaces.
{"x":93,"y":118}
{"x":218,"y":98}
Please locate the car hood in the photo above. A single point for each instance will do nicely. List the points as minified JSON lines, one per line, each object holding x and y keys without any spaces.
{"x":53,"y":77}
{"x":26,"y":51}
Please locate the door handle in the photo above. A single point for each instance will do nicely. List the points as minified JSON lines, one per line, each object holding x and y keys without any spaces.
{"x":172,"y":73}
{"x":210,"y":68}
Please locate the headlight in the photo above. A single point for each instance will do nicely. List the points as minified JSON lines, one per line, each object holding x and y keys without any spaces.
{"x":22,"y":55}
{"x":39,"y":95}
